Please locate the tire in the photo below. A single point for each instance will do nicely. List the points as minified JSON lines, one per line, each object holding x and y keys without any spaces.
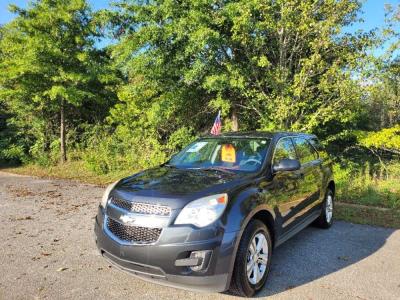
{"x":325,"y":220}
{"x":241,"y":284}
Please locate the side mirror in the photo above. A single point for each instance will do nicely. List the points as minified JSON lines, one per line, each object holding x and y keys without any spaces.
{"x":286,"y":165}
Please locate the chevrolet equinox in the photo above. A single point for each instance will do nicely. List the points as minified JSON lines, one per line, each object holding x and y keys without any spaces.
{"x":209,"y":218}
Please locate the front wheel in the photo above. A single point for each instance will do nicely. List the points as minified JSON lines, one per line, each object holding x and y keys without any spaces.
{"x":253,"y":260}
{"x":325,"y":220}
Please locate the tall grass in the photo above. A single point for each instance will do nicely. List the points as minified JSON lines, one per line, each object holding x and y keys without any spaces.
{"x":369,"y":184}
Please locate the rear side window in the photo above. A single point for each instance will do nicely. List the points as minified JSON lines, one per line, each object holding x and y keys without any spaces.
{"x":304,"y":150}
{"x":284,"y":149}
{"x":315,"y":143}
{"x":320,"y":149}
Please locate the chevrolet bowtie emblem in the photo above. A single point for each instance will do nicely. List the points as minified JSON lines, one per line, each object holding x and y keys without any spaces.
{"x":127,"y":219}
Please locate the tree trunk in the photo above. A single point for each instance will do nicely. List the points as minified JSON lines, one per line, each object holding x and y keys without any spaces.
{"x":234,"y":120}
{"x":62,"y":132}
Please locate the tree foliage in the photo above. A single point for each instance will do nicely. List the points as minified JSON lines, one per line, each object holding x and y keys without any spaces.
{"x":276,"y":64}
{"x":171,"y":65}
{"x":387,"y":139}
{"x":383,"y":99}
{"x":50,"y":68}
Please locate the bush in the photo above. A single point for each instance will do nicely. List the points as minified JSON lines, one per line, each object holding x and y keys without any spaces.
{"x":109,"y":151}
{"x":179,"y":139}
{"x":13,"y":154}
{"x":368,"y":185}
{"x":44,"y":155}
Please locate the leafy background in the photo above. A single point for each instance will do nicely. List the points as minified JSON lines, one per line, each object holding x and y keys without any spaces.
{"x":69,"y":106}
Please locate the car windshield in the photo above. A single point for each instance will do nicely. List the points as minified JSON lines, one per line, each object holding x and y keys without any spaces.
{"x":234,"y":154}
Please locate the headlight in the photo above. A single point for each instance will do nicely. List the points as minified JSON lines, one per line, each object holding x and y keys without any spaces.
{"x":204,"y":211}
{"x":107,"y":193}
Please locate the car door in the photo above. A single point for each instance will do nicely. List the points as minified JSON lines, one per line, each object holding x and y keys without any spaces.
{"x":283,"y":191}
{"x":310,"y":183}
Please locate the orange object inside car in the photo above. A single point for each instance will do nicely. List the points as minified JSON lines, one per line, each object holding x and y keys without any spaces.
{"x":228,"y":153}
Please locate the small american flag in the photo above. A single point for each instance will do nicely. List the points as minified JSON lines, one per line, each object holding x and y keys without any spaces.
{"x":216,"y":129}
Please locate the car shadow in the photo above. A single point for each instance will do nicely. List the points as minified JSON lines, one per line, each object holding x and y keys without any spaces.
{"x":314,"y":253}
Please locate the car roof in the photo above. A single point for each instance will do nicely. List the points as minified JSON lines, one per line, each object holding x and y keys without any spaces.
{"x":259,"y":134}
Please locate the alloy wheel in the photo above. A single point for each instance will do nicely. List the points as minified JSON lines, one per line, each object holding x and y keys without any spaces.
{"x":329,"y":208}
{"x":257,"y":258}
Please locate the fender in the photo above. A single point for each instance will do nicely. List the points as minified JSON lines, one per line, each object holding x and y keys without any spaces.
{"x":327,"y":174}
{"x":247,"y":205}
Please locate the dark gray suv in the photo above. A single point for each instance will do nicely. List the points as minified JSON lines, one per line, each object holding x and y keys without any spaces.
{"x":209,"y":218}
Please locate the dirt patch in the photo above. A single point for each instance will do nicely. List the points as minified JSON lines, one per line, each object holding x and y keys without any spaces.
{"x":19,"y":191}
{"x":13,"y":219}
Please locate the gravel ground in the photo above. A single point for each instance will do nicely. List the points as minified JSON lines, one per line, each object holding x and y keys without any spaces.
{"x":48,"y":251}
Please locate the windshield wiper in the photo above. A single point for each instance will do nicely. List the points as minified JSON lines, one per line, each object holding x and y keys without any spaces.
{"x":217,"y":169}
{"x":170,"y":166}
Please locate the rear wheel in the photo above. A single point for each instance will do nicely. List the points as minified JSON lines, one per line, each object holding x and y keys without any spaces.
{"x":253,"y":260}
{"x":325,"y":220}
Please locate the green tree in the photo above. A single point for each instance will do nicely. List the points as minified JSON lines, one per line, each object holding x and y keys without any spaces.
{"x":380,"y":131}
{"x":282,"y":64}
{"x":383,"y":96}
{"x":50,"y":68}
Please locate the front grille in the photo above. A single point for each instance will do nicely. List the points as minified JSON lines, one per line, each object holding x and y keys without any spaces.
{"x":121,"y":203}
{"x":134,"y":234}
{"x":142,"y":208}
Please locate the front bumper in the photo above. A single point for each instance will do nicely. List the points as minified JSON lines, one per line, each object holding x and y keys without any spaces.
{"x":157,"y":262}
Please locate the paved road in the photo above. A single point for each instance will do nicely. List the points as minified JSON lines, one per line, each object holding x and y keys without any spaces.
{"x":47,"y":251}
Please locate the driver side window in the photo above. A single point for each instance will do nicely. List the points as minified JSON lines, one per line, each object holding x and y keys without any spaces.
{"x":284,"y":149}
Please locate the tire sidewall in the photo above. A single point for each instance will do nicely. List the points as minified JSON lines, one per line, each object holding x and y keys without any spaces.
{"x":249,"y":287}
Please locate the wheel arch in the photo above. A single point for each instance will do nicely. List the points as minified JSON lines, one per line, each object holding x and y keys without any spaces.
{"x":262,"y":213}
{"x":266,"y":217}
{"x":332,"y":186}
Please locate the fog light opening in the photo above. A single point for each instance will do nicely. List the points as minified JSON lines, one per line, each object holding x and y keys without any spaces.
{"x":204,"y":258}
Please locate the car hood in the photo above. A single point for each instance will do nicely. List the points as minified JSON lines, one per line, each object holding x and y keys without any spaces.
{"x":174,"y":187}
